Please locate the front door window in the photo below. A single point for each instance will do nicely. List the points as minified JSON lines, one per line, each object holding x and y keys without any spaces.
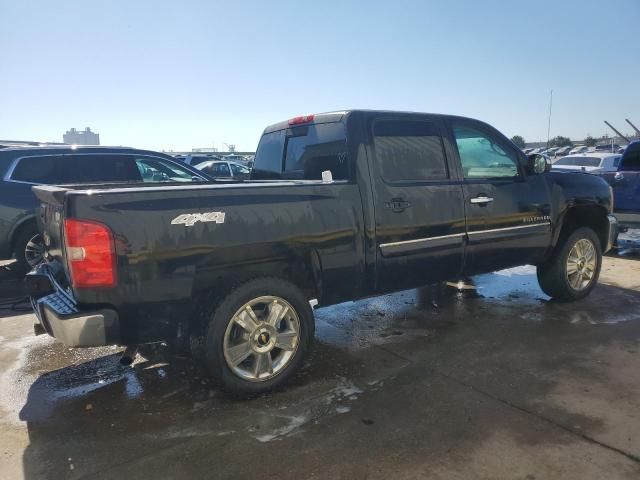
{"x":483,"y":156}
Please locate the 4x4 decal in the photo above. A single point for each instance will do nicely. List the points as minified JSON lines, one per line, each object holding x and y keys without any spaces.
{"x":190,"y":219}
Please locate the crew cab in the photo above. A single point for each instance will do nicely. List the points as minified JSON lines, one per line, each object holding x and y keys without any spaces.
{"x":340,"y":206}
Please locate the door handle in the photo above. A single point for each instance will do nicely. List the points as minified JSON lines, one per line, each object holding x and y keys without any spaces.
{"x":398,"y":204}
{"x":481,"y":199}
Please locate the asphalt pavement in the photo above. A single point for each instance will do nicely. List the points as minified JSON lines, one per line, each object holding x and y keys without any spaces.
{"x":496,"y":382}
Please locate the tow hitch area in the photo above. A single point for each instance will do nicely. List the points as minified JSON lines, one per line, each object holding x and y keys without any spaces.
{"x":129,"y":355}
{"x":38,"y":285}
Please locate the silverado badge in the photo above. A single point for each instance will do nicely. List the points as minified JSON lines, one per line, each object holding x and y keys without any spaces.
{"x":190,"y":219}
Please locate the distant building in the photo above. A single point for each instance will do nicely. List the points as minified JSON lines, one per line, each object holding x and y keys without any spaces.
{"x":77,"y":137}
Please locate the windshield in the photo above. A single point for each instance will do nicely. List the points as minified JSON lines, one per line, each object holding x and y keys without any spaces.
{"x":579,"y":161}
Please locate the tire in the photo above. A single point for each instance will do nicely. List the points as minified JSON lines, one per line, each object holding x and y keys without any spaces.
{"x":554,"y":277}
{"x":243,"y":351}
{"x":28,"y":237}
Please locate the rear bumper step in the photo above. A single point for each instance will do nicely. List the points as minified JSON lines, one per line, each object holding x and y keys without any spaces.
{"x":60,"y":317}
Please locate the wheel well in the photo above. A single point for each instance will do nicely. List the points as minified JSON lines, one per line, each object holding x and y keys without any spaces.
{"x":594,"y":217}
{"x":26,"y":224}
{"x":210,"y":289}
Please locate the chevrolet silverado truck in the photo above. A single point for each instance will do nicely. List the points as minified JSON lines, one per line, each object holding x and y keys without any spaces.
{"x":340,"y":206}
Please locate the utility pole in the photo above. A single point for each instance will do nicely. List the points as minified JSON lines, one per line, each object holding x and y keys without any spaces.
{"x":549,"y":123}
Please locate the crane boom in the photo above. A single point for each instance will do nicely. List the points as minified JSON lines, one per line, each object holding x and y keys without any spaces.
{"x":617,"y":132}
{"x":633,"y":126}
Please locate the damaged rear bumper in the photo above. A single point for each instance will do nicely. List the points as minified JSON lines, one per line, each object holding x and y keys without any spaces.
{"x":59,"y":315}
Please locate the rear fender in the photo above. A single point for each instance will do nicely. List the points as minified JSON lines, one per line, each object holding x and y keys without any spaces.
{"x":301,"y":267}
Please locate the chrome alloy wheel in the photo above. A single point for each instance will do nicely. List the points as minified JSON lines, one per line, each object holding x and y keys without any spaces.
{"x":34,"y":251}
{"x":261,"y":338}
{"x":581,"y":264}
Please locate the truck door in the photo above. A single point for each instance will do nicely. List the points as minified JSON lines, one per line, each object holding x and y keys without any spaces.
{"x":508,"y":212}
{"x":419,"y":212}
{"x":626,"y":182}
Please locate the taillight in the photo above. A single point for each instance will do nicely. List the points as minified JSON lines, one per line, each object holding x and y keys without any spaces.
{"x":301,"y":119}
{"x":91,"y":254}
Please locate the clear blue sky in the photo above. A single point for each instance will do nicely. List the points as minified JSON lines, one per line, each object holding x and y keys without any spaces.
{"x":182,"y":74}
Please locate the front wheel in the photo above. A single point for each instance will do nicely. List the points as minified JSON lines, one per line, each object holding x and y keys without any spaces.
{"x":258,"y":336}
{"x":573,"y":270}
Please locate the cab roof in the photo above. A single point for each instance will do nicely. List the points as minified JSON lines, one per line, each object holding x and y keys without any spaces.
{"x":340,"y":115}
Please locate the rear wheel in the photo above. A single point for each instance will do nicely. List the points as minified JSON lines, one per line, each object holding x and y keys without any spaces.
{"x":258,"y":336}
{"x":29,"y":248}
{"x":574,"y":269}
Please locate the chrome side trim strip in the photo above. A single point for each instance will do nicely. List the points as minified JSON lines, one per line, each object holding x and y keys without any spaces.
{"x":506,"y":229}
{"x":454,"y":235}
{"x":418,"y":240}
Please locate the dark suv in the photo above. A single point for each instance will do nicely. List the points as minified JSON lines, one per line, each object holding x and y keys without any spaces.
{"x":21,"y":168}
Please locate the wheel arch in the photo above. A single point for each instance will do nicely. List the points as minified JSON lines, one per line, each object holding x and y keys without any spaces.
{"x":211,"y":283}
{"x":591,"y":216}
{"x":19,"y":227}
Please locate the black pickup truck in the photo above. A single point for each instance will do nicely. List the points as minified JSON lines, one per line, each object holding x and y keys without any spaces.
{"x":340,"y":206}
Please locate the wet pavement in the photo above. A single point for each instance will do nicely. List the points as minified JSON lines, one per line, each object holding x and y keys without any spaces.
{"x":496,"y":382}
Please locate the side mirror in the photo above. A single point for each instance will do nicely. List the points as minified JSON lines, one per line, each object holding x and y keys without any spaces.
{"x":538,"y":163}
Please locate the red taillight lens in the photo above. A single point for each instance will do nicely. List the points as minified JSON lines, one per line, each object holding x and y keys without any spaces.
{"x":301,"y":119}
{"x":90,"y":254}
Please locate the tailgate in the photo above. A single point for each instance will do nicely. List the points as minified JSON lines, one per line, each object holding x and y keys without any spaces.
{"x":50,"y":220}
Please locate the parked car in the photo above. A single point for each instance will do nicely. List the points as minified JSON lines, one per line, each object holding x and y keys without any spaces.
{"x":224,"y":170}
{"x":23,"y":167}
{"x":607,"y":147}
{"x":527,"y":150}
{"x":197,"y":159}
{"x":340,"y":206}
{"x":235,"y":158}
{"x":551,"y":152}
{"x":589,"y":162}
{"x":625,"y":183}
{"x":578,"y":149}
{"x":562,"y":151}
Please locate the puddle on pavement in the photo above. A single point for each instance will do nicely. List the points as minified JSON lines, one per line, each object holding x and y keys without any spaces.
{"x":169,"y":397}
{"x":628,"y":245}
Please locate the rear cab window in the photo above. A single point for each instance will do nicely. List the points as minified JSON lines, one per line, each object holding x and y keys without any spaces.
{"x":303,"y":152}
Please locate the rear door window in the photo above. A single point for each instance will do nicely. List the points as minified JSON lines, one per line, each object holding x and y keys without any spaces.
{"x":63,"y":169}
{"x":409,"y":151}
{"x":100,"y":169}
{"x":37,"y":170}
{"x":303,"y":152}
